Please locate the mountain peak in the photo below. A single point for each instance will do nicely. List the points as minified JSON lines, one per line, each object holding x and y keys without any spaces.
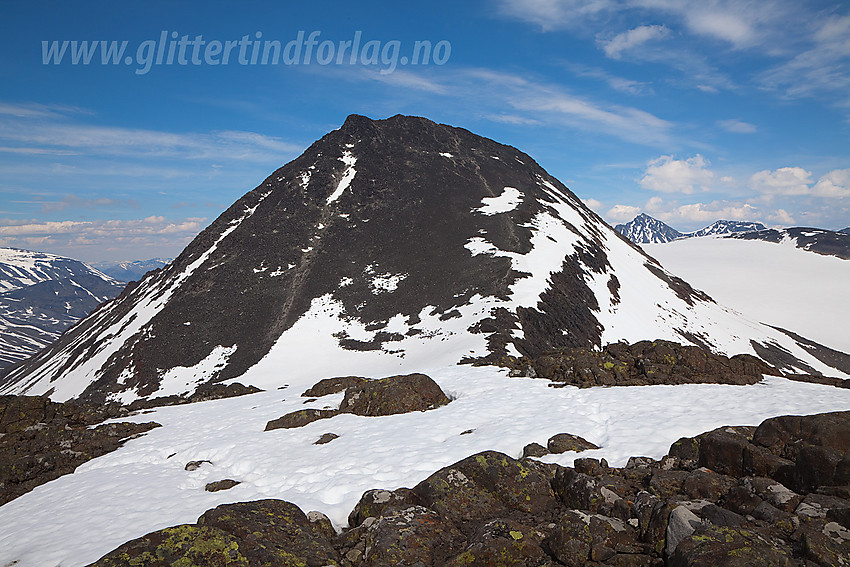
{"x":388,"y":246}
{"x":644,"y":229}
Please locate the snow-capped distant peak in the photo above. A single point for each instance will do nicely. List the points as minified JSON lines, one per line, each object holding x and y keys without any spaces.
{"x":644,"y":229}
{"x":727,"y":227}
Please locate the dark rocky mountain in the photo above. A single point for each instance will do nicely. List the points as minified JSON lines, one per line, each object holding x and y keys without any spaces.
{"x":388,"y":246}
{"x":818,"y":240}
{"x":727,"y":227}
{"x":644,"y":229}
{"x":41,"y":295}
{"x":130,"y":271}
{"x":845,"y":230}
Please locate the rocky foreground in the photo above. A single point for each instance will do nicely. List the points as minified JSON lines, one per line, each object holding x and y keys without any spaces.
{"x":773,"y":495}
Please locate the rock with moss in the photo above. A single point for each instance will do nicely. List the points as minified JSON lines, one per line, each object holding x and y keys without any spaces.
{"x":412,"y":536}
{"x":333,"y":386}
{"x":503,"y":543}
{"x":393,"y":395}
{"x":711,"y":546}
{"x":375,"y":503}
{"x":485,"y":486}
{"x":273,"y":532}
{"x":186,"y":546}
{"x":563,"y":442}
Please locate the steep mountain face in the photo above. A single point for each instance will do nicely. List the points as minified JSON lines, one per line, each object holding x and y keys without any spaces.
{"x":131,"y":271}
{"x":41,"y":295}
{"x":727,"y":227}
{"x":388,"y":246}
{"x":845,"y":230}
{"x":644,"y":229}
{"x":817,"y":240}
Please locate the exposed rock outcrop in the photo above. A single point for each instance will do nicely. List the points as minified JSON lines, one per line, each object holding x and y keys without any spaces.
{"x":42,"y":440}
{"x":639,"y":364}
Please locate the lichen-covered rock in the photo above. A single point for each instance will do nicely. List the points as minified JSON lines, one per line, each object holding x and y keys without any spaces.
{"x":299,"y":418}
{"x":333,"y":386}
{"x":563,"y":442}
{"x":375,"y":503}
{"x":413,"y":536}
{"x":393,"y":395}
{"x":484,"y":486}
{"x":642,"y":363}
{"x":273,"y":532}
{"x":712,"y":546}
{"x":534,"y":450}
{"x":503,"y":543}
{"x":186,"y":546}
{"x":579,"y":538}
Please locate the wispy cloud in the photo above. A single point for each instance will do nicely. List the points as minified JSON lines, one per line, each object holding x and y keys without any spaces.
{"x":511,"y":97}
{"x":63,"y":138}
{"x":94,"y":240}
{"x":737,"y":126}
{"x":627,"y":40}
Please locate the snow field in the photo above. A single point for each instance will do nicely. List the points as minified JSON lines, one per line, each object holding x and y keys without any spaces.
{"x":776,"y":284}
{"x":143,"y":486}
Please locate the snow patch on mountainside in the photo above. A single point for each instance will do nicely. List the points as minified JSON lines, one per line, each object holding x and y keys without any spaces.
{"x":143,"y":486}
{"x":504,"y":203}
{"x":777,"y":284}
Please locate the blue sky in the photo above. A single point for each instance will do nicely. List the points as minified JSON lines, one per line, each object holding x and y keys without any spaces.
{"x":689,"y":111}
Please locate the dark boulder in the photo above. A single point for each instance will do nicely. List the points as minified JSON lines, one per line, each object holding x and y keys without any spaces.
{"x":412,"y":536}
{"x":563,"y":442}
{"x":484,"y":486}
{"x":711,"y":546}
{"x":333,"y":386}
{"x":186,"y":545}
{"x":272,"y":532}
{"x":393,"y":395}
{"x":299,"y":418}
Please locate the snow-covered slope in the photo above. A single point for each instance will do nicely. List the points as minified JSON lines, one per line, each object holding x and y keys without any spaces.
{"x":41,"y":295}
{"x":817,"y":240}
{"x":779,"y":284}
{"x":143,"y":486}
{"x":643,"y":229}
{"x":726,"y":227}
{"x":388,"y":246}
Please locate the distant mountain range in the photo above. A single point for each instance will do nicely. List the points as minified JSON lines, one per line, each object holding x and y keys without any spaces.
{"x":845,"y":230}
{"x":128,"y":271}
{"x":644,"y":229}
{"x":41,"y":295}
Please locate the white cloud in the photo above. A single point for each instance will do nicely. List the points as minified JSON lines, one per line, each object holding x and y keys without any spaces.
{"x":737,"y":126}
{"x":632,"y":38}
{"x":669,"y":175}
{"x":836,"y":183}
{"x":592,"y":204}
{"x":783,"y":181}
{"x":622,"y":212}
